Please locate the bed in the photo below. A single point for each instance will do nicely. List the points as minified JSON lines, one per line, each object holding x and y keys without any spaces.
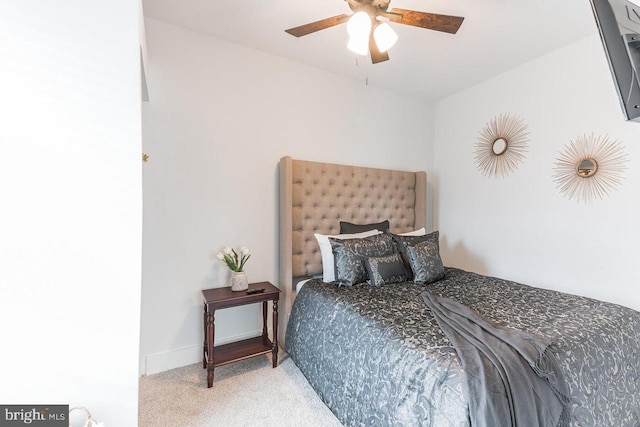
{"x":376,"y":355}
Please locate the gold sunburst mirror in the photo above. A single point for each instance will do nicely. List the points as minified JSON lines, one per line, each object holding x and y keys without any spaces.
{"x":589,"y":167}
{"x":501,"y":145}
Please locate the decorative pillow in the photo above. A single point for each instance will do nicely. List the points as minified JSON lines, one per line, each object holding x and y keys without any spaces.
{"x":403,"y":241}
{"x":349,"y":228}
{"x":385,"y":270}
{"x":348,"y":254}
{"x":328,"y":269}
{"x":425,"y":261}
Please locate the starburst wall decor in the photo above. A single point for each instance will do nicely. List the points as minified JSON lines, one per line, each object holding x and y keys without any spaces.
{"x":502,"y":145}
{"x":589,"y":167}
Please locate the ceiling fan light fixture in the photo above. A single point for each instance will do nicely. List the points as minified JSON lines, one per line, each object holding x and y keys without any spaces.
{"x":384,"y":36}
{"x":358,"y":28}
{"x":358,"y":45}
{"x":359,"y":25}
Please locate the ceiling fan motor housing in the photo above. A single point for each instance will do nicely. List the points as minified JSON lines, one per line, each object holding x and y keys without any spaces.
{"x":380,"y":4}
{"x":372,"y":7}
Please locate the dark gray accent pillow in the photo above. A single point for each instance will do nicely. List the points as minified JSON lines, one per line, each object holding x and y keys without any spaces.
{"x":349,"y":228}
{"x":425,"y":261}
{"x":348,"y":256}
{"x":404,"y":241}
{"x":385,"y":270}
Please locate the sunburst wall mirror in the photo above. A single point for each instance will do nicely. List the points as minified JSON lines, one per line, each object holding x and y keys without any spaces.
{"x":501,"y":145}
{"x":590,"y":167}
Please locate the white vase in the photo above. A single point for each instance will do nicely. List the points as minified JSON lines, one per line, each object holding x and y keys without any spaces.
{"x":238,"y":281}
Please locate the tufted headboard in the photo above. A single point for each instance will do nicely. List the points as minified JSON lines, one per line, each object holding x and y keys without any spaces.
{"x":315,"y":197}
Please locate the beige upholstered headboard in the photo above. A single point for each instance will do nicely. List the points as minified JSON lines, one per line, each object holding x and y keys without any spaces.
{"x":315,"y":197}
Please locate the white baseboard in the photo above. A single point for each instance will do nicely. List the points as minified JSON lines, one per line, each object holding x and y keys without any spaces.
{"x":163,"y":361}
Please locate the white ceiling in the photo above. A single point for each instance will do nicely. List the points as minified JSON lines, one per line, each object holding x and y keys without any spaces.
{"x":495,"y":36}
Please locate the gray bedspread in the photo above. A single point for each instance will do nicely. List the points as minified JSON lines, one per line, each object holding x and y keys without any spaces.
{"x":513,"y":377}
{"x":377,"y":357}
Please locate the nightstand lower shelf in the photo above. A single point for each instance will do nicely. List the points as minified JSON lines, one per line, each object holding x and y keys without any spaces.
{"x":240,"y":350}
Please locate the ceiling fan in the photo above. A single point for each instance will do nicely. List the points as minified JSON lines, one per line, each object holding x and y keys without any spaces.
{"x":368,"y":33}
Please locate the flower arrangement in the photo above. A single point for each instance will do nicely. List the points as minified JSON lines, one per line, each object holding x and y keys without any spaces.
{"x":234,"y":260}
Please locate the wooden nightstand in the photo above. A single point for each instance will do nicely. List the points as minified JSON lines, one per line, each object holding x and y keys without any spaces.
{"x":218,"y":298}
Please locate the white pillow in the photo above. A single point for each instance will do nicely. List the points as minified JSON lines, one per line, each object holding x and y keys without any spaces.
{"x":418,"y":232}
{"x":328,"y":271}
{"x":300,"y":284}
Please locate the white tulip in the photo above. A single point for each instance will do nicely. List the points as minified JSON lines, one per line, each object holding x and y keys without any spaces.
{"x":220,"y":256}
{"x":245,"y":251}
{"x":227,"y":250}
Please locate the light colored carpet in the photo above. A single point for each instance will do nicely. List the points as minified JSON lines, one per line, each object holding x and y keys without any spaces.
{"x":246,"y":393}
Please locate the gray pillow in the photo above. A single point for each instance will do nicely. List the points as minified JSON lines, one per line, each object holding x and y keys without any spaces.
{"x":404,"y":241}
{"x":348,"y":256}
{"x":349,"y":228}
{"x":385,"y":270}
{"x":425,"y":261}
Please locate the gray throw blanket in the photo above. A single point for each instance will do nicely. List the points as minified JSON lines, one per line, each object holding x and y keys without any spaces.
{"x":512,"y":377}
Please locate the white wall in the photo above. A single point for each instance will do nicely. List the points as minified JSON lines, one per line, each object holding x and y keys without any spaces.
{"x":520,"y":227}
{"x":220,"y":118}
{"x":70,"y":222}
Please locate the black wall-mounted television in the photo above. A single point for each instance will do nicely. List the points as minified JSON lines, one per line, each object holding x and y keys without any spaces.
{"x":619,"y":25}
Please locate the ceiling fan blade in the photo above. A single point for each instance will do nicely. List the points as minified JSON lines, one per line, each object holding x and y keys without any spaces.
{"x":312,"y":27}
{"x":431,"y":21}
{"x":376,"y":55}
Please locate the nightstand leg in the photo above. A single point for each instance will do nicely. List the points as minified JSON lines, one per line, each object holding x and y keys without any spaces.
{"x":204,"y":347}
{"x":210,"y":357}
{"x":264,"y":319}
{"x":274,"y":349}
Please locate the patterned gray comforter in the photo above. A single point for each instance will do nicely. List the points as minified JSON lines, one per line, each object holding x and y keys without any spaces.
{"x":377,"y":357}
